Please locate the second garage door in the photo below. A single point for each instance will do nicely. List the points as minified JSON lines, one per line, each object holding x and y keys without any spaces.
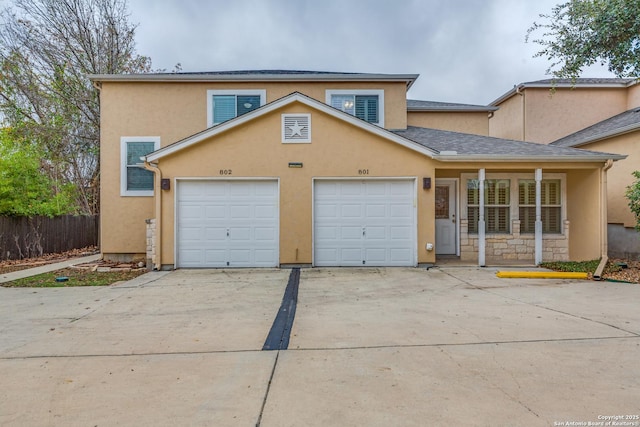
{"x":227,"y":223}
{"x":364,"y":223}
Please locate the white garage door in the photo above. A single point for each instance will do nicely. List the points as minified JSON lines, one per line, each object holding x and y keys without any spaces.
{"x":227,"y":224}
{"x":364,"y":223}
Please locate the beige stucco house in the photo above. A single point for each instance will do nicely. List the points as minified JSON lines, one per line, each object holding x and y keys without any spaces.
{"x":594,"y":114}
{"x":276,"y":168}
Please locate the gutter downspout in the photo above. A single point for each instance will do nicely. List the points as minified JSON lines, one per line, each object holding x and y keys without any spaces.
{"x":158,"y":196}
{"x":524,"y":119}
{"x":597,"y":275}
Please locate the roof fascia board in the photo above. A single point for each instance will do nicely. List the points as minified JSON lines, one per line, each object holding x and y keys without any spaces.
{"x":454,"y":109}
{"x":409,"y":79}
{"x":230,"y":124}
{"x":516,"y":89}
{"x":528,"y":159}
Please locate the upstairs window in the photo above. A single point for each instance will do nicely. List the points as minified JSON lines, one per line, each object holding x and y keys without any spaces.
{"x":367,"y":105}
{"x":135,"y":180}
{"x":223,"y":105}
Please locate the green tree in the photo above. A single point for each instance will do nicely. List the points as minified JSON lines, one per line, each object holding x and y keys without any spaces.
{"x":26,"y":188}
{"x":633,"y":195}
{"x":47,"y":50}
{"x":580,"y":33}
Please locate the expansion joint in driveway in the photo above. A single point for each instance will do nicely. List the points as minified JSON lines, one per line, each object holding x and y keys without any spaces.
{"x":278,"y":338}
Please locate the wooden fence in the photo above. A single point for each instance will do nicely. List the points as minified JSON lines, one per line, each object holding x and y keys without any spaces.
{"x":22,"y":237}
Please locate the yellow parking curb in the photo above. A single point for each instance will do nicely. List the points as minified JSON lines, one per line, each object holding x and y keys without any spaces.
{"x":540,"y":275}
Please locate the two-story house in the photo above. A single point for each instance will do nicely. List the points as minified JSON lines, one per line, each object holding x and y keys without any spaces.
{"x":588,"y":113}
{"x":274,"y":168}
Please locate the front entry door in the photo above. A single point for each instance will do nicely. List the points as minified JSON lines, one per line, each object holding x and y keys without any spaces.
{"x":446,"y":221}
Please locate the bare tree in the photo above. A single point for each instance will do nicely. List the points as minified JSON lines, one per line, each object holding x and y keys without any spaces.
{"x":47,"y":50}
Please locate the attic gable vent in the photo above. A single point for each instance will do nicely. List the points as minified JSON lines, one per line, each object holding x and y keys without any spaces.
{"x":296,"y":128}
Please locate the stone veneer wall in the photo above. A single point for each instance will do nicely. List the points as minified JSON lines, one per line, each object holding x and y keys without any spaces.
{"x":151,"y":243}
{"x":515,"y":246}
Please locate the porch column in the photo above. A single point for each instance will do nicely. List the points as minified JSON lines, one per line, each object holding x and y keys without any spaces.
{"x":538,"y":224}
{"x":481,"y":225}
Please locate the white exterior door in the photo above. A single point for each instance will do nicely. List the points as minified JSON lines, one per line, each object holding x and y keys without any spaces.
{"x":227,"y":223}
{"x":445,"y":214}
{"x":364,"y":223}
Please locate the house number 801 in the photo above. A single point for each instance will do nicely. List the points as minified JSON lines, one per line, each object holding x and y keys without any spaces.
{"x":363,"y":171}
{"x":225,"y":171}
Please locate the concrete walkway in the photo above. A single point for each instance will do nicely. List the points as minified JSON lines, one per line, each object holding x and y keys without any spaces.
{"x":29,"y":272}
{"x":369,"y":346}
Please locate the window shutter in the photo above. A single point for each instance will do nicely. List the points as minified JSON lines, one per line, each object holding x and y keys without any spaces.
{"x":367,"y":108}
{"x":224,"y":108}
{"x":296,"y":128}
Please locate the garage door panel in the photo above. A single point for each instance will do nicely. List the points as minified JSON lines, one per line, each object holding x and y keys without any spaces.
{"x":401,"y":211}
{"x":351,"y":255}
{"x":264,"y":234}
{"x":400,"y":233}
{"x":240,"y":211}
{"x":376,"y":211}
{"x":364,"y":220}
{"x":191,"y":212}
{"x":351,"y":211}
{"x":213,"y":233}
{"x":352,"y":188}
{"x":376,"y":256}
{"x":398,"y":255}
{"x":326,"y":233}
{"x":215,"y":211}
{"x":215,"y":257}
{"x":265,"y":211}
{"x":350,"y":233}
{"x":376,"y":233}
{"x":376,"y":188}
{"x":226,"y":223}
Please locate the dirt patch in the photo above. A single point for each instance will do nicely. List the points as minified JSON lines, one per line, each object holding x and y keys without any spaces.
{"x":8,"y":266}
{"x":629,"y":271}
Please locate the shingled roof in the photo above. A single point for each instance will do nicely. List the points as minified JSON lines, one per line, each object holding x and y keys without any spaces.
{"x":628,"y":121}
{"x":417,"y":105}
{"x":463,"y":145}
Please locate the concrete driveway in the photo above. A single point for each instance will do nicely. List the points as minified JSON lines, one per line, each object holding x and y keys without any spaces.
{"x":374,"y":347}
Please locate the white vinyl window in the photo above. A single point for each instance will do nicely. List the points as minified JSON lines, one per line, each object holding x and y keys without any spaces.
{"x":135,"y":180}
{"x":223,"y":105}
{"x":367,"y":105}
{"x":497,"y":197}
{"x":551,"y":205}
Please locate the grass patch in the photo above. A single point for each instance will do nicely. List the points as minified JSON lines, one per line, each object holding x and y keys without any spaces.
{"x":580,"y":266}
{"x":76,"y":277}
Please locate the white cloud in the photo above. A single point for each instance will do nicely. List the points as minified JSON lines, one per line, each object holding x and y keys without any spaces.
{"x":467,"y":51}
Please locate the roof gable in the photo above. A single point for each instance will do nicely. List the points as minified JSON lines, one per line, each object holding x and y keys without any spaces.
{"x":275,"y":105}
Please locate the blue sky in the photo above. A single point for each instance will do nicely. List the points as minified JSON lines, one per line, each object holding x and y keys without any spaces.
{"x":467,"y":51}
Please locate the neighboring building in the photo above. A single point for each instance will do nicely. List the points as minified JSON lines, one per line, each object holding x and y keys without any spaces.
{"x":594,"y":114}
{"x":272,"y":168}
{"x":463,"y":118}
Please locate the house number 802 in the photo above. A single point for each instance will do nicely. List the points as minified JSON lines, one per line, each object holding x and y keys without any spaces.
{"x":225,"y":171}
